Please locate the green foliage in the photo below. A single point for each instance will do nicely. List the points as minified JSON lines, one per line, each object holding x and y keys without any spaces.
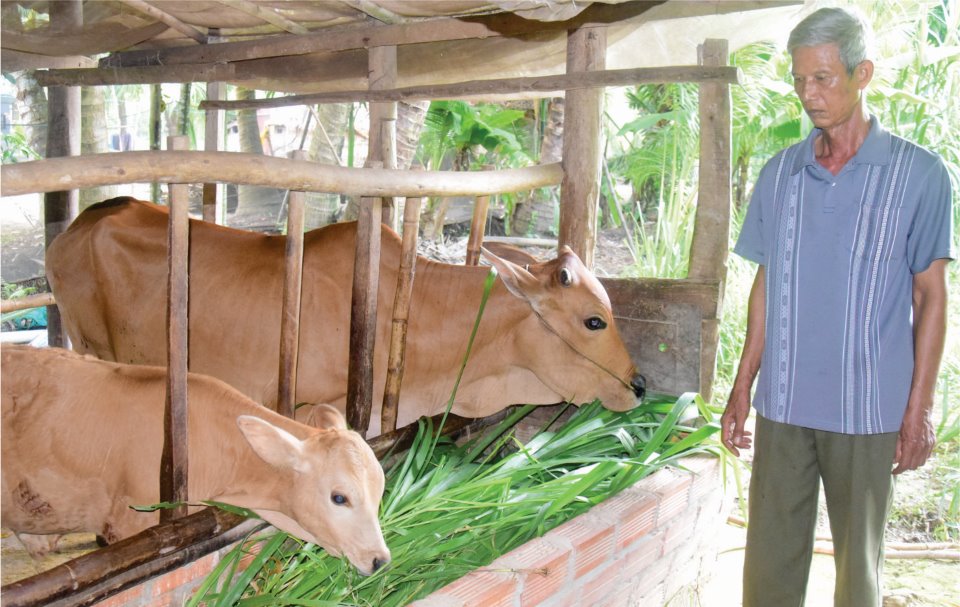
{"x":449,"y":509}
{"x":465,"y":133}
{"x":15,"y":147}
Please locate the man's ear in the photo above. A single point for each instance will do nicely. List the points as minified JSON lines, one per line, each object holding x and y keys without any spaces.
{"x":275,"y":446}
{"x":863,"y":73}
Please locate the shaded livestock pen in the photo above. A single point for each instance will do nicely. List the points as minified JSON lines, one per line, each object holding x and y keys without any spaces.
{"x":669,"y":325}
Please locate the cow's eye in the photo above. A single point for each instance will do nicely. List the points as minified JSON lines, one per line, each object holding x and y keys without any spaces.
{"x":338,"y":499}
{"x":595,"y":323}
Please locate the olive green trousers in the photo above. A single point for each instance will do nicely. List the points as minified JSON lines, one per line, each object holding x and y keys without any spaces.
{"x":789,"y":464}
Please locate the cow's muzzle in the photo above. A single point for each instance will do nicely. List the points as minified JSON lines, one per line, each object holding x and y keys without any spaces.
{"x":639,"y":385}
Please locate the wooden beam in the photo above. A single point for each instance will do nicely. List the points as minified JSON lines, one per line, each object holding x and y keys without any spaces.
{"x":382,"y":145}
{"x":255,"y":169}
{"x":290,"y":308}
{"x":167,"y":18}
{"x":434,"y":30}
{"x":472,"y":88}
{"x":267,"y":14}
{"x":583,"y":112}
{"x":363,"y":316}
{"x":711,"y":231}
{"x":61,"y":204}
{"x":212,"y":135}
{"x":174,"y":461}
{"x":478,"y":224}
{"x":15,"y":61}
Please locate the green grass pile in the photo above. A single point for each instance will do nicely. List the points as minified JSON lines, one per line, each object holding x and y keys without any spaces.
{"x":449,"y":509}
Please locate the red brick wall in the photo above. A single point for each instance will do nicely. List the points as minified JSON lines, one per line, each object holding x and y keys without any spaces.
{"x":638,"y":548}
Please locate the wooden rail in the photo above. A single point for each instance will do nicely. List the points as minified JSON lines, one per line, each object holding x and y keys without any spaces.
{"x":25,"y":303}
{"x":77,"y":172}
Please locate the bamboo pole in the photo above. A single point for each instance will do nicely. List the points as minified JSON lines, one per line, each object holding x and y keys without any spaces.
{"x":477,"y":227}
{"x":255,"y":169}
{"x":401,"y":312}
{"x":290,"y":315}
{"x":174,"y":461}
{"x":156,"y":13}
{"x":25,"y":303}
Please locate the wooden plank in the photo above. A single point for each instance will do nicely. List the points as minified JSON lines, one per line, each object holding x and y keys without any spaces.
{"x":174,"y":461}
{"x":401,"y":312}
{"x":350,"y":38}
{"x":267,"y":14}
{"x":363,"y":316}
{"x":139,"y":75}
{"x":580,"y":189}
{"x":478,"y":224}
{"x":16,"y":61}
{"x":290,"y":308}
{"x":711,"y":231}
{"x":256,"y":169}
{"x":544,"y":84}
{"x":61,"y":204}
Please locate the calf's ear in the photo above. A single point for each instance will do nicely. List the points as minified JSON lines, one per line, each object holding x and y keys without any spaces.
{"x":517,"y":279}
{"x":325,"y":416}
{"x":275,"y":446}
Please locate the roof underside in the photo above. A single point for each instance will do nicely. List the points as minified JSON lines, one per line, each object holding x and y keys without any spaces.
{"x":438,"y":41}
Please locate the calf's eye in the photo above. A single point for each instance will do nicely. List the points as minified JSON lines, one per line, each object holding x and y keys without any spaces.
{"x":595,"y":323}
{"x":338,"y":499}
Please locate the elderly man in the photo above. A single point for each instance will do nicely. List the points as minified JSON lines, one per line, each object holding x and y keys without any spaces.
{"x":850,"y":229}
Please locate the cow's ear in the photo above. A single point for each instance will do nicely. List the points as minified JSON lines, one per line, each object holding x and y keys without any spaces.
{"x":517,"y":279}
{"x":275,"y":446}
{"x":325,"y":416}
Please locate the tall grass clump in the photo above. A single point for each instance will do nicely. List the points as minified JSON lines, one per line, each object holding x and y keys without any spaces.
{"x":449,"y":509}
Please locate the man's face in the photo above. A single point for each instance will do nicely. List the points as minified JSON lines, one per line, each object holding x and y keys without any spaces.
{"x":829,"y":95}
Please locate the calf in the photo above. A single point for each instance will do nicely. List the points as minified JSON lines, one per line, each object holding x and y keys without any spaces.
{"x":82,"y":440}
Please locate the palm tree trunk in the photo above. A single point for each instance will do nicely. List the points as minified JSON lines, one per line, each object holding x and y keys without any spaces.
{"x":93,"y":139}
{"x":327,"y":139}
{"x":33,"y":100}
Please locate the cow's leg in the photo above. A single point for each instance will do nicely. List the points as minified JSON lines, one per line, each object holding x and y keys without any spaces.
{"x":123,"y":521}
{"x":39,"y":546}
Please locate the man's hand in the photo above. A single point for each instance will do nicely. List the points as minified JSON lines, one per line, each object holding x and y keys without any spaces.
{"x":732,"y":422}
{"x":915,"y":443}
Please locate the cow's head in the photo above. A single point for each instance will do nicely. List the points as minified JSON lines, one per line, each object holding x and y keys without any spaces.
{"x":337,"y":484}
{"x":579,"y":352}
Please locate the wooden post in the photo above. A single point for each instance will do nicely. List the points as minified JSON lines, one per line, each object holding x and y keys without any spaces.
{"x":580,"y":190}
{"x":382,"y":74}
{"x":363,"y":316}
{"x":290,"y":316}
{"x":212,"y":132}
{"x":711,"y":232}
{"x":401,"y":312}
{"x":63,"y":139}
{"x":477,"y":227}
{"x":173,"y":465}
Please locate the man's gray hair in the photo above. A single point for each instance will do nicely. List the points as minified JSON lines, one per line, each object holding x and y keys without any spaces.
{"x":844,"y":27}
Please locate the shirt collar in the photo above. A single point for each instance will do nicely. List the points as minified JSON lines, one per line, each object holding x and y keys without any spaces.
{"x":874,"y":150}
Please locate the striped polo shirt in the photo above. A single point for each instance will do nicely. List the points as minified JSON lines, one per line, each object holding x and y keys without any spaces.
{"x":839,"y":253}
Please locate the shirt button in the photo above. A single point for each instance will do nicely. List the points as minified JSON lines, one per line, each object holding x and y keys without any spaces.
{"x":833,"y":185}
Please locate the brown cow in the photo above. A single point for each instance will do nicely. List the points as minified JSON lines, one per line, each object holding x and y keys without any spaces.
{"x":547,"y":333}
{"x":82,"y":441}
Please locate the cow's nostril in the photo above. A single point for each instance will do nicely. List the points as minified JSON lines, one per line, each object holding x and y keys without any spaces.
{"x":639,"y":385}
{"x":377,"y":564}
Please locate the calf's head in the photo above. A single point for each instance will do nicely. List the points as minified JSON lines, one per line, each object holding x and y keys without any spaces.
{"x":576,"y":350}
{"x":336,"y":487}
